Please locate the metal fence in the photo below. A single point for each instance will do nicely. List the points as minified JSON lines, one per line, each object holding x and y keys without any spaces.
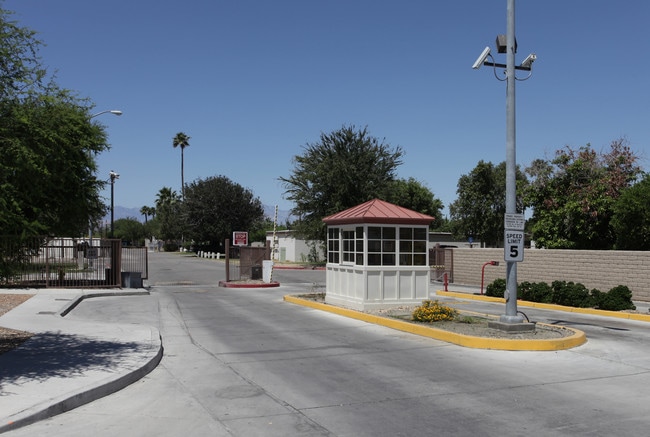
{"x":245,"y":262}
{"x":67,"y":262}
{"x":441,"y":260}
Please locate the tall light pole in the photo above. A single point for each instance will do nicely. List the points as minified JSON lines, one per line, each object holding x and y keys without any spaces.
{"x":90,"y":225}
{"x":113,"y":176}
{"x":511,"y":315}
{"x":112,"y":111}
{"x":513,"y":222}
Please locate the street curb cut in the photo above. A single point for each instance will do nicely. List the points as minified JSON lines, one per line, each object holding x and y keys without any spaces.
{"x":90,"y":294}
{"x":72,"y":400}
{"x":225,"y":284}
{"x":576,"y":339}
{"x":109,"y":385}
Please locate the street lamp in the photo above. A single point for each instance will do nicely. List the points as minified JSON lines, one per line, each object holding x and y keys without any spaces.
{"x":113,"y":176}
{"x":513,"y":235}
{"x":112,"y":111}
{"x":90,"y":225}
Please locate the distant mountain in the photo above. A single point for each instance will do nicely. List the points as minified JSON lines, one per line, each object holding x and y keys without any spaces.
{"x":122,"y":212}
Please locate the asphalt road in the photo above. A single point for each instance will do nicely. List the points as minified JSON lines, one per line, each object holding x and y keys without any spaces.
{"x":242,"y":362}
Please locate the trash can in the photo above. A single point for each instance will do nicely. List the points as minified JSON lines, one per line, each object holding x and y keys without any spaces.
{"x":256,"y":272}
{"x":131,"y":280}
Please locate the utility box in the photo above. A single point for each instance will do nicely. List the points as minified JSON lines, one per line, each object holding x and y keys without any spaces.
{"x":267,"y":270}
{"x":131,"y":280}
{"x":256,"y":272}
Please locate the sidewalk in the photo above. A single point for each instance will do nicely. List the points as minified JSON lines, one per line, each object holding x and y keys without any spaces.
{"x":68,"y":363}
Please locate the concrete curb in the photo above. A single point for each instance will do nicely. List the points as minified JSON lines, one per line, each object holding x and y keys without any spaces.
{"x":288,"y":267}
{"x":576,"y":339}
{"x":77,"y":398}
{"x":547,"y":306}
{"x":225,"y":284}
{"x":83,"y":395}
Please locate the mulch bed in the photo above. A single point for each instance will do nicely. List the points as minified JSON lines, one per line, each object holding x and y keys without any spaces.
{"x":11,"y":338}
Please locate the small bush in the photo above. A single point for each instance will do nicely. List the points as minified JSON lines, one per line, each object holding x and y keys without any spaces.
{"x":571,"y":294}
{"x":617,"y":299}
{"x":497,"y":288}
{"x":535,"y":292}
{"x":567,"y":294}
{"x":170,"y":247}
{"x":433,"y":311}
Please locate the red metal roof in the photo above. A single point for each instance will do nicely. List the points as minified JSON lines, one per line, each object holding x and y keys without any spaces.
{"x":378,"y":211}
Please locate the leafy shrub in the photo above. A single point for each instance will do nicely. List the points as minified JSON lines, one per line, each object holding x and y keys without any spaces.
{"x":571,"y":294}
{"x":535,"y":292}
{"x":170,"y":247}
{"x":617,"y":299}
{"x":497,"y":288}
{"x":567,"y":294}
{"x":433,"y":311}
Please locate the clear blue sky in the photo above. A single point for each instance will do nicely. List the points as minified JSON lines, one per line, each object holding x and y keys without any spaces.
{"x":252,"y":81}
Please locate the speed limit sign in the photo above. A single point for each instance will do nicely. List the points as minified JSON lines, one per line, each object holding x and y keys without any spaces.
{"x":514,"y":245}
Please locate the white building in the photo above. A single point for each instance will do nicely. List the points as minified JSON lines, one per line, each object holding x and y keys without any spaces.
{"x":377,"y":255}
{"x":291,"y":249}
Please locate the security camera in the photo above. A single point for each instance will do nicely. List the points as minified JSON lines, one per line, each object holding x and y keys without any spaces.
{"x":481,"y":59}
{"x":114,"y":175}
{"x":528,"y":62}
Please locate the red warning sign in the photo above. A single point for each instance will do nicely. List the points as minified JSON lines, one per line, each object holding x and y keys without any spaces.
{"x":240,"y":238}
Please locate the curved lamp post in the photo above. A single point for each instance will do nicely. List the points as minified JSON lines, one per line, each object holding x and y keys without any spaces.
{"x":113,"y":176}
{"x":114,"y":112}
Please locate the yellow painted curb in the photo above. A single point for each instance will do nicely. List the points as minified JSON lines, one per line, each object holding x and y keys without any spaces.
{"x":548,"y":306}
{"x":576,"y":339}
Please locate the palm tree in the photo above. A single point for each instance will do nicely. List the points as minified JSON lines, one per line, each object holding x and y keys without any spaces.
{"x":165,"y":197}
{"x":183,"y":140}
{"x":147,"y":211}
{"x":168,"y":214}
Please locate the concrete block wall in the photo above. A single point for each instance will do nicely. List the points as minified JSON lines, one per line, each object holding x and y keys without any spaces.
{"x":601,"y":269}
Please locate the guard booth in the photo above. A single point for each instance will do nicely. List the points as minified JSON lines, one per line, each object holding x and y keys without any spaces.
{"x":377,"y":256}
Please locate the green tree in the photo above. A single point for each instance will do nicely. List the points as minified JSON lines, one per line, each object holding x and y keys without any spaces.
{"x":573,"y":195}
{"x":215,"y":207}
{"x":168,"y":216}
{"x":412,"y":194}
{"x":631,"y":217}
{"x":182,"y":140}
{"x":47,"y":145}
{"x":130,"y":230}
{"x":479,"y":210}
{"x":347,"y":167}
{"x":21,"y":70}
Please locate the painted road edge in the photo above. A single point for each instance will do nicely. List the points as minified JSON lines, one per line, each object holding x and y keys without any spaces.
{"x":576,"y":339}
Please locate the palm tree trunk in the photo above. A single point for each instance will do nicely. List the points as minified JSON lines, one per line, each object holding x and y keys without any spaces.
{"x":182,"y":173}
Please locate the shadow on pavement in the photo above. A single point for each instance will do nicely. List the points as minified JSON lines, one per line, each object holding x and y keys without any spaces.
{"x":52,"y":354}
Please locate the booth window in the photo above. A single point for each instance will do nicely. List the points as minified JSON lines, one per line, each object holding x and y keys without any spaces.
{"x":381,"y":246}
{"x":348,"y":241}
{"x":412,"y":246}
{"x":333,"y":245}
{"x":352,"y":241}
